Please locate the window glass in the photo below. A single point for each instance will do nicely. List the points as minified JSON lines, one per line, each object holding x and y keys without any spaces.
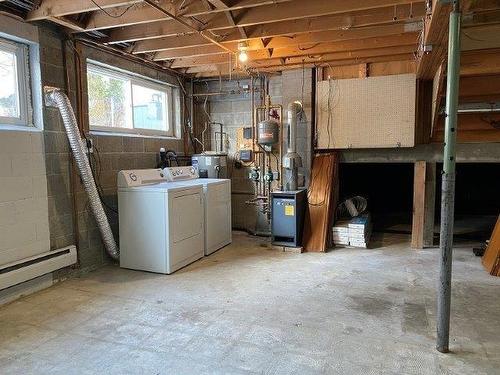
{"x":9,"y":88}
{"x":150,"y":108}
{"x":124,"y":102}
{"x":109,"y":101}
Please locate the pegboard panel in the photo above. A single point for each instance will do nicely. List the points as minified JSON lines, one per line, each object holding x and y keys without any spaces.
{"x":371,"y":112}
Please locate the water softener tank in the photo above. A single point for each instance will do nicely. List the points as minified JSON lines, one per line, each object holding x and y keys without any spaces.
{"x":268,"y":132}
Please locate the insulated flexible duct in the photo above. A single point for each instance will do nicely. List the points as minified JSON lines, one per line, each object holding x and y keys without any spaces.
{"x":292,"y":160}
{"x":54,"y":97}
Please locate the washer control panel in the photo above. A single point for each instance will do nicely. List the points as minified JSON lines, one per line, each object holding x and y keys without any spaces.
{"x":140,"y":177}
{"x":180,"y":173}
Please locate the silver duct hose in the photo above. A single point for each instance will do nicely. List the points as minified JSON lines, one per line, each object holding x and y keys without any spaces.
{"x":294,"y":109}
{"x":292,"y":160}
{"x":55,"y":97}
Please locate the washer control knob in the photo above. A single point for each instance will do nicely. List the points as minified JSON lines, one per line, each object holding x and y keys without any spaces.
{"x":133,"y":177}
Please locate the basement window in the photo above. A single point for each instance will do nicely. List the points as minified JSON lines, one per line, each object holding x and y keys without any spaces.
{"x":15,"y":94}
{"x":123,"y":102}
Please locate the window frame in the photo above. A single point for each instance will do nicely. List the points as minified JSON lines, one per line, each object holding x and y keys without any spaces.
{"x":138,"y":80}
{"x":23,"y":80}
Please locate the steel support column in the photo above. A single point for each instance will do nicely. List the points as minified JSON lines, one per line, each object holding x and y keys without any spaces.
{"x":448,"y":186}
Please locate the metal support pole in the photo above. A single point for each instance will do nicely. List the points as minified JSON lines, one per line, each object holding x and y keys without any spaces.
{"x":448,"y":186}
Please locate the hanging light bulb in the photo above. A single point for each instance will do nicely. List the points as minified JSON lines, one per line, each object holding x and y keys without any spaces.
{"x":242,"y":56}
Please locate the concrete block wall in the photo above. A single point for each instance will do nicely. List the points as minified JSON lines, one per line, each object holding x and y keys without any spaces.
{"x":24,"y":220}
{"x":234,"y":111}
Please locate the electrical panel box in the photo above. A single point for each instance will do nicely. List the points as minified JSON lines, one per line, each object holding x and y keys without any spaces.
{"x":244,"y":139}
{"x":287,"y":217}
{"x":246,"y":155}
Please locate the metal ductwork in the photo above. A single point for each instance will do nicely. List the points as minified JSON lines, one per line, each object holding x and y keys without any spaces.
{"x":292,"y":160}
{"x":55,"y":97}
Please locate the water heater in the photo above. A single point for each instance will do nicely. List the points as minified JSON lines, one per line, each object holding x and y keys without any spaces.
{"x":210,"y":165}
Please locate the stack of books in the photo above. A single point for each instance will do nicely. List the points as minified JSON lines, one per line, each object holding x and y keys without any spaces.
{"x":354,"y":232}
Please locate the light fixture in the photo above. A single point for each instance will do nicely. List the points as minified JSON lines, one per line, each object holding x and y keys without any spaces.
{"x":242,"y":54}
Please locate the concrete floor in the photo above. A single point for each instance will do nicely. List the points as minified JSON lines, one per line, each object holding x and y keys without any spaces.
{"x":249,"y":309}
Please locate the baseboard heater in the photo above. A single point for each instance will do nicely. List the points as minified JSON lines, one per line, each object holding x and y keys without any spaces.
{"x":26,"y":269}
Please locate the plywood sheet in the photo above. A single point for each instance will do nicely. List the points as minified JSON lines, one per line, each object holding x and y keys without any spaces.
{"x":371,"y":112}
{"x":491,"y":257}
{"x":322,"y":199}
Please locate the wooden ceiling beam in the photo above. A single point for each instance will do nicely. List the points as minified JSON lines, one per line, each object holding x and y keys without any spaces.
{"x":280,"y":11}
{"x":349,"y":20}
{"x":436,"y":33}
{"x":479,"y":6}
{"x":480,"y":37}
{"x":276,"y":43}
{"x":219,"y":4}
{"x":191,"y":41}
{"x":480,"y":62}
{"x":297,"y":9}
{"x":367,"y":47}
{"x":434,"y":41}
{"x":139,"y":14}
{"x":59,"y":8}
{"x":479,"y":19}
{"x":215,"y":70}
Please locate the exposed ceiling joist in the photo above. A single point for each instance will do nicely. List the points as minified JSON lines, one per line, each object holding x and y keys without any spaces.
{"x":371,"y":44}
{"x":480,"y":62}
{"x":214,"y":70}
{"x":219,"y":4}
{"x":193,"y":41}
{"x":280,"y":11}
{"x":434,"y":43}
{"x":58,"y":8}
{"x":348,"y":20}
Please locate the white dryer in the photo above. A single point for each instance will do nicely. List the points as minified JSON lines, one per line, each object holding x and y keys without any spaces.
{"x":161,"y":223}
{"x":217,"y":205}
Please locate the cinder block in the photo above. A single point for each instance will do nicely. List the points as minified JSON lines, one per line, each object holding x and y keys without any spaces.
{"x":15,"y":142}
{"x":17,"y":235}
{"x":57,"y":185}
{"x":56,"y":142}
{"x":133,"y":144}
{"x":5,"y":165}
{"x":52,"y":120}
{"x":123,"y":161}
{"x":61,"y":225}
{"x":37,"y":146}
{"x":109,"y":143}
{"x":7,"y":214}
{"x":21,"y":164}
{"x":15,"y":188}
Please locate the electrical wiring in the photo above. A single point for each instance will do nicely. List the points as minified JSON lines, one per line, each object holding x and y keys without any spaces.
{"x":331,"y":98}
{"x":112,"y":15}
{"x":95,"y":160}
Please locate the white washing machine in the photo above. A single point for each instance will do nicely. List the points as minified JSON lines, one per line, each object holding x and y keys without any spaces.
{"x":217,"y":205}
{"x":161,"y":223}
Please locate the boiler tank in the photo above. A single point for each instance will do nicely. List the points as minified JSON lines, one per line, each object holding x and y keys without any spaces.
{"x":267,"y":132}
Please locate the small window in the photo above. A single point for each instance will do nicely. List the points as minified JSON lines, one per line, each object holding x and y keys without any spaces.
{"x":124,"y":102}
{"x":15,"y":97}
